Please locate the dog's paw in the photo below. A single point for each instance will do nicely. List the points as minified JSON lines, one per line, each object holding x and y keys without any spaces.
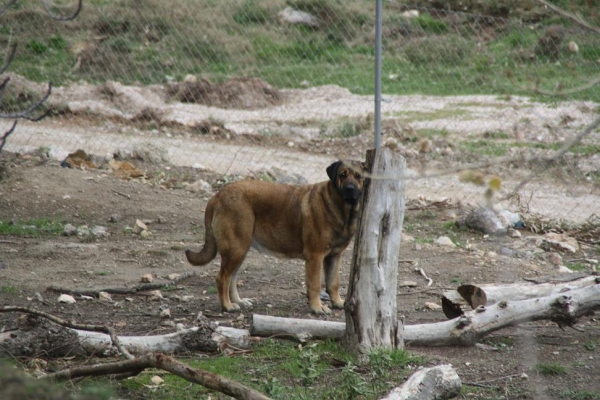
{"x":245,"y":302}
{"x":321,"y":310}
{"x":337,"y":304}
{"x":231,"y":308}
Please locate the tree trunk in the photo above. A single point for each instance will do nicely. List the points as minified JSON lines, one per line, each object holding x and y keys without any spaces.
{"x":371,"y":302}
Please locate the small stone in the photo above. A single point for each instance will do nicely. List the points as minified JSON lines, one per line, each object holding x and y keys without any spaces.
{"x":156,"y":381}
{"x":69,"y":230}
{"x":515,"y":234}
{"x":200,"y":186}
{"x":146,"y":278}
{"x":562,"y":242}
{"x":161,"y":220}
{"x":129,"y":299}
{"x":172,"y":277}
{"x":407,"y":238}
{"x":432,"y":306}
{"x":65,"y":298}
{"x":484,"y":220}
{"x":155,"y":295}
{"x":444,"y":241}
{"x":166,"y":313}
{"x":146,"y":234}
{"x":104,"y":297}
{"x":564,"y":270}
{"x":524,"y":376}
{"x":84,"y":297}
{"x":38,"y":297}
{"x":114,"y":218}
{"x":417,"y":247}
{"x":99,"y":231}
{"x":139,"y":227}
{"x":187,"y":298}
{"x":83,"y":231}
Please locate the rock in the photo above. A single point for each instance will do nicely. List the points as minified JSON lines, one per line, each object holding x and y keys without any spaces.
{"x":561,"y":242}
{"x":146,"y":234}
{"x":155,"y":295}
{"x":432,"y":306}
{"x":296,"y":17}
{"x":156,"y":381}
{"x":508,"y":218}
{"x":187,"y":298}
{"x":104,"y":297}
{"x":554,"y":259}
{"x":199,"y":186}
{"x":281,"y":176}
{"x":407,"y":238}
{"x":139,"y":227}
{"x":38,"y":297}
{"x":485,"y":220}
{"x":114,"y":218}
{"x":146,"y":278}
{"x":65,"y":298}
{"x":515,"y":234}
{"x":573,"y":47}
{"x":172,"y":277}
{"x":410,"y":14}
{"x":166,"y":313}
{"x":99,"y":231}
{"x":69,"y":230}
{"x":564,"y":270}
{"x":444,"y":241}
{"x":83,"y":231}
{"x":161,"y":220}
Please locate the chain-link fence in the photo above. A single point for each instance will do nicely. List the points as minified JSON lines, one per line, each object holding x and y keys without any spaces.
{"x":238,"y":87}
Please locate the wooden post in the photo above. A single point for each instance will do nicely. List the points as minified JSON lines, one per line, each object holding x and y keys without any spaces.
{"x":371,"y":320}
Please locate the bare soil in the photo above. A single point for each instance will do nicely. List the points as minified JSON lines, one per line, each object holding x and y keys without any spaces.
{"x":35,"y":187}
{"x":183,"y":143}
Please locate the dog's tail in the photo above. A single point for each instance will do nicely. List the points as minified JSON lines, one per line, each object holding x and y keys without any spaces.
{"x":209,"y":250}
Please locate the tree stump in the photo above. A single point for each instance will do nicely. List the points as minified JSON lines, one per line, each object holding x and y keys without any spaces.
{"x":371,"y":320}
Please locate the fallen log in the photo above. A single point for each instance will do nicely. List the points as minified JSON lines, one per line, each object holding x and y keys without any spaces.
{"x":37,"y":337}
{"x":439,"y":383}
{"x":562,"y":308}
{"x":525,"y":290}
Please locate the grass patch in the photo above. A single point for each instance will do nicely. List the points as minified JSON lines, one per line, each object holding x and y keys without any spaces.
{"x":580,"y":395}
{"x":550,"y":369}
{"x":8,"y":289}
{"x":31,"y":227}
{"x":430,"y":55}
{"x":322,"y":370}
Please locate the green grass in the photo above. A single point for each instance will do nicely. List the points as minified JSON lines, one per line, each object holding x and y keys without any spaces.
{"x":8,"y":289}
{"x":580,"y":395}
{"x":218,"y":40}
{"x":31,"y":227}
{"x":550,"y":369}
{"x":283,"y":370}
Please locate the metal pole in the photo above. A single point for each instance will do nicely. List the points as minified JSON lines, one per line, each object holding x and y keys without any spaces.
{"x":378,"y":24}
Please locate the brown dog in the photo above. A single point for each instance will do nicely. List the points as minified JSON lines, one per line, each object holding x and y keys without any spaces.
{"x":311,"y":222}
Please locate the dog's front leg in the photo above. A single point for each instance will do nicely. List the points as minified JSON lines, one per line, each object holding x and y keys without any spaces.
{"x":313,"y":266}
{"x":331,"y":267}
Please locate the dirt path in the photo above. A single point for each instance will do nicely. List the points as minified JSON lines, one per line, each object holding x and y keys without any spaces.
{"x":300,"y":119}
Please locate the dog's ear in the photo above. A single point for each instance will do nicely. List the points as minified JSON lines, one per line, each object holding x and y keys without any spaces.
{"x":333,"y":169}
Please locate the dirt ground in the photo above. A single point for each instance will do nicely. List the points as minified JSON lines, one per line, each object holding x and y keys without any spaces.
{"x":36,"y":187}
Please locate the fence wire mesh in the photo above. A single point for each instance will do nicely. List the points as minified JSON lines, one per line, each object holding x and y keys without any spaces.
{"x":241,"y":87}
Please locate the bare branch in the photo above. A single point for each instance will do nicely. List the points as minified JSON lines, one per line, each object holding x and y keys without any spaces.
{"x":7,"y":6}
{"x":166,"y":363}
{"x":575,"y":18}
{"x":70,"y":324}
{"x":26,"y":113}
{"x":11,"y":54}
{"x":7,"y":134}
{"x":122,"y":290}
{"x":60,"y":17}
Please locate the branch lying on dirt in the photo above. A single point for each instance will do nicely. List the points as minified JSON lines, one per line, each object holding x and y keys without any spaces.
{"x":152,"y":360}
{"x":70,"y":324}
{"x":526,"y":290}
{"x":562,"y":308}
{"x":35,"y":337}
{"x":575,"y":18}
{"x":123,"y":290}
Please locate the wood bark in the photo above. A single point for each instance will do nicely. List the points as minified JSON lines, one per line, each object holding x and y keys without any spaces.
{"x":39,"y":337}
{"x":562,"y":308}
{"x":524,"y":290}
{"x":370,"y":307}
{"x":435,"y":383}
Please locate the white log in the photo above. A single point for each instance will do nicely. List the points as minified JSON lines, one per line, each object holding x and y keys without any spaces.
{"x":371,"y":306}
{"x":441,"y":382}
{"x":525,"y":290}
{"x":563,"y":308}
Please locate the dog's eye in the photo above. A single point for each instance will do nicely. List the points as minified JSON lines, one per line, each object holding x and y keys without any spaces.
{"x":357,"y":175}
{"x":344,"y":174}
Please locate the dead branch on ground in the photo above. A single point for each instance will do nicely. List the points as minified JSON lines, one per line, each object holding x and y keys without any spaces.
{"x":122,"y":290}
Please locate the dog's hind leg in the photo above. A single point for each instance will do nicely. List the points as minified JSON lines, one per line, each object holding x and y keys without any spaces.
{"x":331,"y":267}
{"x":233,"y":292}
{"x":227,"y":281}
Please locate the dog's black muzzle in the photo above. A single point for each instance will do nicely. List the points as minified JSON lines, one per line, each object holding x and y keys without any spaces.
{"x":350,"y":193}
